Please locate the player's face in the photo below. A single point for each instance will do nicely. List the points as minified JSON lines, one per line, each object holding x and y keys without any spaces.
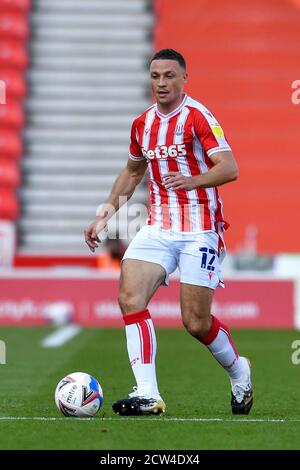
{"x":167,"y":81}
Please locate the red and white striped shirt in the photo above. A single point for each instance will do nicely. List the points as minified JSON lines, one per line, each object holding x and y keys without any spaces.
{"x":181,"y":141}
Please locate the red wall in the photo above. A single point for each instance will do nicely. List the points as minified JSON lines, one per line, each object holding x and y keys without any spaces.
{"x":93,"y":302}
{"x":242,"y":59}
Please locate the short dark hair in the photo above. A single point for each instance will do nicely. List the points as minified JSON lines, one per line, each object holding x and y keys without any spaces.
{"x":169,"y":54}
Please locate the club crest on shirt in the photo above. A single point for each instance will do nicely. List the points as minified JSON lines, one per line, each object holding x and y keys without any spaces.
{"x":179,"y":129}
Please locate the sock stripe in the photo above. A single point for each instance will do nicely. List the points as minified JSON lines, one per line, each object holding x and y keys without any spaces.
{"x":141,"y":342}
{"x":151,"y":341}
{"x":146,"y":342}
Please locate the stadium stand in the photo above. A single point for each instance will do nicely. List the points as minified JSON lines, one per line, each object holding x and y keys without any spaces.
{"x":9,"y":207}
{"x":13,"y":53}
{"x":87,"y":81}
{"x":9,"y":174}
{"x":13,"y":62}
{"x":12,"y":115}
{"x":10,"y":144}
{"x":18,"y":6}
{"x":13,"y":25}
{"x":242,"y":59}
{"x":15,"y":83}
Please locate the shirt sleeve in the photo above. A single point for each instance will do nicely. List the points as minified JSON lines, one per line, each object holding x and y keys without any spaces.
{"x":210,"y":133}
{"x":135,"y":151}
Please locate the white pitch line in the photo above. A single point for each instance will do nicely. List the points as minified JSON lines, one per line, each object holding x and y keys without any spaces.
{"x":60,"y":336}
{"x":154,"y":419}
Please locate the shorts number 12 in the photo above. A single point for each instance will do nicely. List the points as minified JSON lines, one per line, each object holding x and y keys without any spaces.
{"x":206,"y":252}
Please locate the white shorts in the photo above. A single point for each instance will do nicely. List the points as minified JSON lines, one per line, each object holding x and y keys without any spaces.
{"x":194,"y":254}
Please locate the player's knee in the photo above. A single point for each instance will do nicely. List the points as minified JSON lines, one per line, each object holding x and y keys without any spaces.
{"x":129,"y":302}
{"x":198,"y":327}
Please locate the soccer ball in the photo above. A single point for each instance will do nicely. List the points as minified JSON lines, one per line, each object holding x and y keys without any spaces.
{"x":78,"y":395}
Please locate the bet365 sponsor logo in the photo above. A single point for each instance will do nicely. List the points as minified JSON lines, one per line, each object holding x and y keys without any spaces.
{"x":164,"y":151}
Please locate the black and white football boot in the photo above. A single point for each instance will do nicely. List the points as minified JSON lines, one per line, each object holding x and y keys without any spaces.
{"x":242,"y":391}
{"x":135,"y":404}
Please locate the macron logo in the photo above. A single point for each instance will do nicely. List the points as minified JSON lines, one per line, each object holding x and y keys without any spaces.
{"x":134,"y":361}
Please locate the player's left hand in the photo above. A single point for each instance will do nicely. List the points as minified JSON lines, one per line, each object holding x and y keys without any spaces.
{"x":175,"y":180}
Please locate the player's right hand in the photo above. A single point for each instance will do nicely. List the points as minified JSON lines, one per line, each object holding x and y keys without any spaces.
{"x":91,"y":232}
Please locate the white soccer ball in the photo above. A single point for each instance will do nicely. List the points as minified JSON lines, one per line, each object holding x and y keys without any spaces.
{"x":78,"y":395}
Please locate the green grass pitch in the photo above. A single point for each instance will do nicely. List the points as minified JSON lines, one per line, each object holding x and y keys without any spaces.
{"x":193,"y":385}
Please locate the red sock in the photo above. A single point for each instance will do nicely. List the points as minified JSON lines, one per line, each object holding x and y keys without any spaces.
{"x":221,"y":345}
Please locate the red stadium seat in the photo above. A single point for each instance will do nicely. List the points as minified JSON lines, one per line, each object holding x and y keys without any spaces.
{"x":237,"y":69}
{"x":10,"y":144}
{"x":13,"y":54}
{"x":15,"y":83}
{"x":9,"y":206}
{"x":13,"y":25}
{"x":15,"y":5}
{"x":11,"y":115}
{"x":9,"y":174}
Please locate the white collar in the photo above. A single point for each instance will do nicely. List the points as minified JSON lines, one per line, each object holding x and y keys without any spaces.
{"x":174,"y":112}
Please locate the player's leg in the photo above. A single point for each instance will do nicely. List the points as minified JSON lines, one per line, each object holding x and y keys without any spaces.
{"x":139,"y":281}
{"x":197,"y":319}
{"x":200,"y":274}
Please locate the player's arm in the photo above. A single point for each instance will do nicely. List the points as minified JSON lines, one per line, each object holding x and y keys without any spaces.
{"x":225,"y":169}
{"x":125,"y":184}
{"x":211,"y":137}
{"x":122,"y":190}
